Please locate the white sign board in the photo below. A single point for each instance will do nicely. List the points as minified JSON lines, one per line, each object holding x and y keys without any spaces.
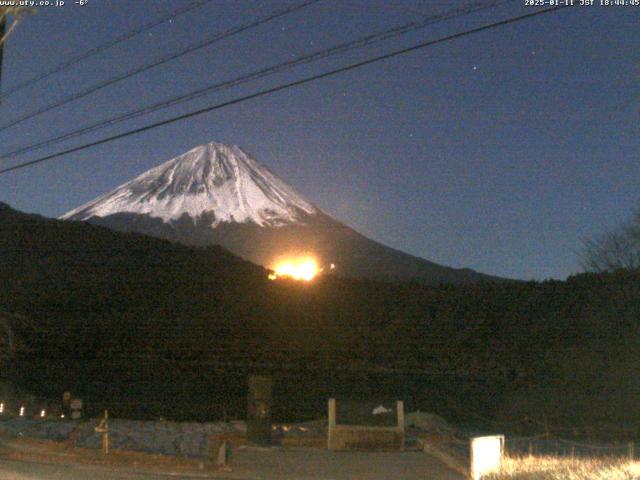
{"x":76,"y":404}
{"x":486,"y":455}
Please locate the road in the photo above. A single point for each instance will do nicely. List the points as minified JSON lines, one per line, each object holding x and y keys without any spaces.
{"x":261,"y":464}
{"x":22,"y":470}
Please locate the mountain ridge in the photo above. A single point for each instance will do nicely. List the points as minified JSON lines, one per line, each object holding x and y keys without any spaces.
{"x":219,"y":194}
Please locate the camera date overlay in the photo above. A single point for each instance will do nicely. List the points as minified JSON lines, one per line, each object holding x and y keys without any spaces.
{"x":582,"y":3}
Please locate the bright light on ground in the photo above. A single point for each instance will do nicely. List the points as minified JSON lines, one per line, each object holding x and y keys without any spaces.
{"x":486,"y":455}
{"x":302,"y":268}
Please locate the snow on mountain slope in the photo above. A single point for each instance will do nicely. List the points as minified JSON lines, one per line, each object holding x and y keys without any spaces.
{"x":212,"y":178}
{"x":218,"y":195}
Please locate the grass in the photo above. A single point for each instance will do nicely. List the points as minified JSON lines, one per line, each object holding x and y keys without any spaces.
{"x":564,"y":468}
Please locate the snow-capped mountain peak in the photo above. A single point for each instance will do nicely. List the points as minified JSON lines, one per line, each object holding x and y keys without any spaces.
{"x":212,"y":178}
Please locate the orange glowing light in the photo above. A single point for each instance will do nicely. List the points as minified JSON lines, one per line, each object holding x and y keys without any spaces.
{"x":303,"y":268}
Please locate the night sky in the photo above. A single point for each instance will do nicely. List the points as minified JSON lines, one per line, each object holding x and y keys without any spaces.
{"x":500,"y":151}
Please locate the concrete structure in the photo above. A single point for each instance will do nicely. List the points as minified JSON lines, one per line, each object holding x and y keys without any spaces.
{"x":259,"y":402}
{"x":365,"y":437}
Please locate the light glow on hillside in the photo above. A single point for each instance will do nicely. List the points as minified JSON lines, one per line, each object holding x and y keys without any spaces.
{"x":300,"y":268}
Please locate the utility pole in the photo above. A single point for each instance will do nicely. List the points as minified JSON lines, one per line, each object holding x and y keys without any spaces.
{"x":3,"y":26}
{"x":15,"y":12}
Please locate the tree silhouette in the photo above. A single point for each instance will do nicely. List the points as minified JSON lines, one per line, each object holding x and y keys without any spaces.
{"x":615,"y":250}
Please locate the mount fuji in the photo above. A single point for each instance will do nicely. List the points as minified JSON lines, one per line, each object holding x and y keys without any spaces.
{"x":219,"y":194}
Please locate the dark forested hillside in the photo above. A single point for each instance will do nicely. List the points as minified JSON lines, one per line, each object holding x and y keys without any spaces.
{"x":153,"y":328}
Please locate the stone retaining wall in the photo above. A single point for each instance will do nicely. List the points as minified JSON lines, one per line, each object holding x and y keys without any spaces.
{"x":167,"y":438}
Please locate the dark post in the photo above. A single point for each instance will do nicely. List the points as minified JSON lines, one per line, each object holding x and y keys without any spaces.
{"x":66,"y":404}
{"x":3,"y":24}
{"x":259,"y":403}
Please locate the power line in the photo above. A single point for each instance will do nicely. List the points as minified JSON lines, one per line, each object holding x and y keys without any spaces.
{"x":205,"y":43}
{"x":285,"y":66}
{"x":285,"y":86}
{"x":105,"y":46}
